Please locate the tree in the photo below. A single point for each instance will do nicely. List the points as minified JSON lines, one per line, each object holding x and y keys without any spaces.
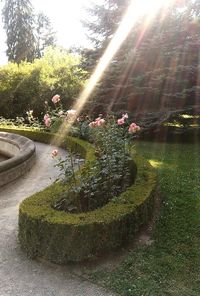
{"x":158,"y":71}
{"x":44,"y":34}
{"x":104,"y":20}
{"x":101,"y":25}
{"x":19,"y":25}
{"x":27,"y":86}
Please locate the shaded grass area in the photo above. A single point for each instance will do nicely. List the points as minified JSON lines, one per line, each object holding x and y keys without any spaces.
{"x":171,"y":265}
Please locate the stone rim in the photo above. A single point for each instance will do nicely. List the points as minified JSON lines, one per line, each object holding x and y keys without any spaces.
{"x":21,"y":162}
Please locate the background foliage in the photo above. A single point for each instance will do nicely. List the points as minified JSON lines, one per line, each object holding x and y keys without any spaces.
{"x":157,"y":66}
{"x":28,"y":85}
{"x":27,"y":33}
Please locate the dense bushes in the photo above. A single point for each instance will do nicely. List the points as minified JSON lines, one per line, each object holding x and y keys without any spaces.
{"x":27,"y":86}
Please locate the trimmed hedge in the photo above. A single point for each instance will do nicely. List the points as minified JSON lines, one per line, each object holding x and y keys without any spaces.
{"x":61,"y":237}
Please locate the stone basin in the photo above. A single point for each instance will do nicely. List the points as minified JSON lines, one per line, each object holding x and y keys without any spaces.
{"x":20,"y":153}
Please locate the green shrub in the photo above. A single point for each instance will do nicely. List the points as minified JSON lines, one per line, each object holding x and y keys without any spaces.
{"x":28,"y":85}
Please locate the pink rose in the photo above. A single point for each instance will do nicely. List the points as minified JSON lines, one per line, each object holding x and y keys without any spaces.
{"x":55,"y":99}
{"x":133,"y":128}
{"x":120,"y":121}
{"x":54,"y":153}
{"x":93,"y":124}
{"x":100,"y":122}
{"x":46,"y":116}
{"x":47,"y":122}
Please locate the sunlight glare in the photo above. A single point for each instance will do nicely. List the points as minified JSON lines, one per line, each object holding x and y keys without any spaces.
{"x":136,"y":9}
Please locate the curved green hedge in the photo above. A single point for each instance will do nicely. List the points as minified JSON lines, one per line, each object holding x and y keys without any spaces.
{"x":61,"y":237}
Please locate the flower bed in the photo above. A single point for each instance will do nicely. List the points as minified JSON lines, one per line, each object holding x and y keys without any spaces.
{"x":61,"y":237}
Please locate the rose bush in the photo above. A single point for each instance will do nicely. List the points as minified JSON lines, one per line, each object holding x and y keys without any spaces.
{"x":108,"y":175}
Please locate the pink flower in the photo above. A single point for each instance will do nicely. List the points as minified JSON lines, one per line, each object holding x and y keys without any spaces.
{"x":54,"y":153}
{"x":133,"y":128}
{"x":47,"y":120}
{"x":46,"y":116}
{"x":93,"y":124}
{"x":100,"y":122}
{"x":120,"y":121}
{"x":125,"y":116}
{"x":55,"y":99}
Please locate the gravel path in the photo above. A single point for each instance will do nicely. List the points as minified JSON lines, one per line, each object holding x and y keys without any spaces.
{"x":20,"y":276}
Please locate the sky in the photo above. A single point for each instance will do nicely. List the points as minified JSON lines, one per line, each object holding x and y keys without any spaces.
{"x":65,"y":18}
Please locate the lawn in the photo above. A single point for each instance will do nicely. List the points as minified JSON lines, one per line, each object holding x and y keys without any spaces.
{"x":171,"y":265}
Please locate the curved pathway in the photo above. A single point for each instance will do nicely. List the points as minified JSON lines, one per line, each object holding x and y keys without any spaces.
{"x":20,"y":276}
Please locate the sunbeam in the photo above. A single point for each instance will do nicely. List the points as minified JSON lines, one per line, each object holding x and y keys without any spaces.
{"x":136,"y":9}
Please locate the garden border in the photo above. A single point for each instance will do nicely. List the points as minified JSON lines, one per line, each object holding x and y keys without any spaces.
{"x":61,"y":237}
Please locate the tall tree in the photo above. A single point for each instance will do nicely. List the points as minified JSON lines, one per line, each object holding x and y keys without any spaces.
{"x":45,"y":36}
{"x":157,"y":68}
{"x":104,"y":20}
{"x":19,"y":25}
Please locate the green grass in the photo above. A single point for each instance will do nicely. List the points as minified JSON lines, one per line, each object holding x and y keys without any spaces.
{"x":171,"y":265}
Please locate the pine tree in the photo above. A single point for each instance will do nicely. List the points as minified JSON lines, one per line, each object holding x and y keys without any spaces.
{"x":44,"y":34}
{"x":19,"y":25}
{"x":104,"y":20}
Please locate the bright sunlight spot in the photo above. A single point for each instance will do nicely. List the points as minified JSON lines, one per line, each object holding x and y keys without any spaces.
{"x":187,"y":116}
{"x":156,"y":164}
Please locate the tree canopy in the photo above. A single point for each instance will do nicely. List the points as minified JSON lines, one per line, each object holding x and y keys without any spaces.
{"x":18,"y":22}
{"x":27,"y":34}
{"x":157,"y":67}
{"x":28,"y":85}
{"x":44,"y":34}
